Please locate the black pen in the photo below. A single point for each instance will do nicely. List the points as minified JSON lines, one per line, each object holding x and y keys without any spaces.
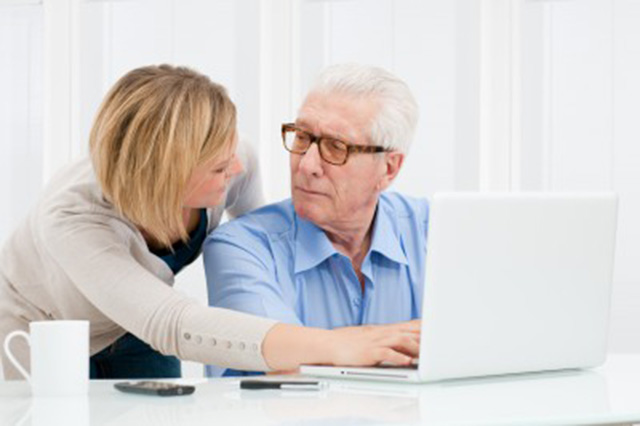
{"x":283,"y":385}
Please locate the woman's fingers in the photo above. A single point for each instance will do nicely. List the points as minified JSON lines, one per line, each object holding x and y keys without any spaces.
{"x":407,"y":344}
{"x":415,"y":325}
{"x":405,"y":327}
{"x":390,"y":356}
{"x":396,"y":349}
{"x":410,"y":326}
{"x":364,"y":346}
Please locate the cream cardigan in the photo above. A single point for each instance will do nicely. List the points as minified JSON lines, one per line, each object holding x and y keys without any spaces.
{"x":75,"y":257}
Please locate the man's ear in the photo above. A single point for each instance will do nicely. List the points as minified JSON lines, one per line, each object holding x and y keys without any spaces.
{"x":393,"y":163}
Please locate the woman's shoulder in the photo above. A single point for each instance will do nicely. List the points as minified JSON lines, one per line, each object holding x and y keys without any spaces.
{"x":73,"y":186}
{"x":73,"y":198}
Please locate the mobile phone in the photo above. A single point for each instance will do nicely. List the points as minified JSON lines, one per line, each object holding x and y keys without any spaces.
{"x":155,"y":388}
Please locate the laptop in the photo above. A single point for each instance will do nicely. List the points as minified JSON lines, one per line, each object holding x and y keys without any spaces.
{"x":515,"y":283}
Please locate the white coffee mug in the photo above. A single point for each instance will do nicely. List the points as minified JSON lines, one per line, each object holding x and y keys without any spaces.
{"x":59,"y":357}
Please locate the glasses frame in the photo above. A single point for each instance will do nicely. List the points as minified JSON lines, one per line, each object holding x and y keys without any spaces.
{"x":350,"y":148}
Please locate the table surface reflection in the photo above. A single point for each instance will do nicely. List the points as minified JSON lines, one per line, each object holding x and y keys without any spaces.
{"x":606,"y":395}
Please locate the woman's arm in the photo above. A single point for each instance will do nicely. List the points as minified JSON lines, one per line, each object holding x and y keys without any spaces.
{"x":286,"y":346}
{"x":96,"y":260}
{"x":101,"y":267}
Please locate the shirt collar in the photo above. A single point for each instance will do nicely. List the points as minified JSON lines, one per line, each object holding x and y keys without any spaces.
{"x":386,"y":238}
{"x":313,"y":246}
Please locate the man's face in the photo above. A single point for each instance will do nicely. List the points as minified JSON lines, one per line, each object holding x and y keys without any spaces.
{"x":326,"y":194}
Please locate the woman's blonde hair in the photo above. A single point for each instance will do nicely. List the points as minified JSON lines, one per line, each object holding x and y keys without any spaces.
{"x":153,"y":128}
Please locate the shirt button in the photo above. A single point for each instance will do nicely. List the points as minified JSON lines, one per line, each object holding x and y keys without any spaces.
{"x":254,"y":347}
{"x":198,"y":339}
{"x":241,"y":346}
{"x":356,"y":301}
{"x":229,"y":345}
{"x":214,"y":342}
{"x":187,"y":336}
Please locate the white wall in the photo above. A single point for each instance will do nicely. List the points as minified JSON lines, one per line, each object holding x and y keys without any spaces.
{"x":386,"y":33}
{"x":21,"y":109}
{"x":513,"y":94}
{"x":589,"y":110}
{"x":625,"y":173}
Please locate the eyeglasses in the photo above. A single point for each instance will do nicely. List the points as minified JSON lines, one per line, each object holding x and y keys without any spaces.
{"x":333,"y":151}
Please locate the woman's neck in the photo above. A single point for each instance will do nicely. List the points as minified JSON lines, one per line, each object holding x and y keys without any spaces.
{"x":190,"y":218}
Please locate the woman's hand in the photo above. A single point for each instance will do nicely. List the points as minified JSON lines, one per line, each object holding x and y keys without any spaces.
{"x":395,"y":344}
{"x":286,"y":346}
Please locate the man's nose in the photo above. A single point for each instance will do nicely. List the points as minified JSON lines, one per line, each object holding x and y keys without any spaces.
{"x":311,"y":162}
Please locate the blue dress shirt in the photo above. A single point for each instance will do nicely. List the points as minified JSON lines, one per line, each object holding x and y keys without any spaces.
{"x":272,"y":263}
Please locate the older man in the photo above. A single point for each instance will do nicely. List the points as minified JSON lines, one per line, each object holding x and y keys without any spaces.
{"x":341,"y":251}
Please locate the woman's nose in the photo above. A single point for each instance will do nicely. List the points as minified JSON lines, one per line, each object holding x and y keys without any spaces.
{"x":236,"y":166}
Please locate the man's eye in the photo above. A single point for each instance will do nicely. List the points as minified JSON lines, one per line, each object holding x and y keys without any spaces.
{"x":302,"y":137}
{"x":335,"y":145}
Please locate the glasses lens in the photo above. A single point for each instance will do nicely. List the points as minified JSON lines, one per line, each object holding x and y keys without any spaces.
{"x":296,"y":141}
{"x":333,"y":151}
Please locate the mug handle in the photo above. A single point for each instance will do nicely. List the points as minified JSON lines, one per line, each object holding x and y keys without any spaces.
{"x":13,"y":360}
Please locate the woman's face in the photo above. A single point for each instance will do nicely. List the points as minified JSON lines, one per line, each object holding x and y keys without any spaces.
{"x":208,"y":182}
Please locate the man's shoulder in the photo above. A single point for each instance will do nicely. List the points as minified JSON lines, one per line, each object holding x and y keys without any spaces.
{"x":402,"y":206}
{"x":272,"y":219}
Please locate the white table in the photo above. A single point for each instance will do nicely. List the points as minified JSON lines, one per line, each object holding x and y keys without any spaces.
{"x":607,"y":395}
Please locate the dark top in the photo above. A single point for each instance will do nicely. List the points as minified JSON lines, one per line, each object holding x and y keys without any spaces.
{"x":185,"y":253}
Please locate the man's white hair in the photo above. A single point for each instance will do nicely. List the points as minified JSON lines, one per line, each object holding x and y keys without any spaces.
{"x":395,"y":123}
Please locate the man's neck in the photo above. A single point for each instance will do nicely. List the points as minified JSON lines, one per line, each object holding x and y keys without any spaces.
{"x":353,"y":239}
